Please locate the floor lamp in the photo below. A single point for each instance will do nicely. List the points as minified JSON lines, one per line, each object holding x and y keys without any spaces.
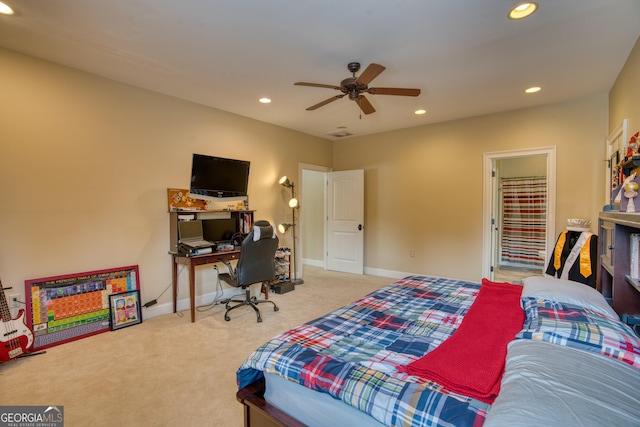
{"x":283,"y":228}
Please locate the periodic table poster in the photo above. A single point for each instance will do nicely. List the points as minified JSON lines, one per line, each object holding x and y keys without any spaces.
{"x":65,"y":308}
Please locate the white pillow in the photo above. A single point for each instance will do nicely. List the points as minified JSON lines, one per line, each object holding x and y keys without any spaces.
{"x":567,"y":291}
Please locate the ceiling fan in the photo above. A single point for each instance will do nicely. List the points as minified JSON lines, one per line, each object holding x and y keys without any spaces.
{"x":356,"y":86}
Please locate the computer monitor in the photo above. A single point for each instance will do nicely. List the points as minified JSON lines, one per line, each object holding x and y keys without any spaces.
{"x":219,"y":229}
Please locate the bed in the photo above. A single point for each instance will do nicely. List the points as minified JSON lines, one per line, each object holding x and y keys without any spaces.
{"x":563,"y":358}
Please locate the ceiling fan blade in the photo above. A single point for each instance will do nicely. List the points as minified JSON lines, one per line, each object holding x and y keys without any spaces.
{"x":325,"y":102}
{"x":393,"y":91}
{"x":365,"y":105}
{"x":372,"y":71}
{"x":317,"y":85}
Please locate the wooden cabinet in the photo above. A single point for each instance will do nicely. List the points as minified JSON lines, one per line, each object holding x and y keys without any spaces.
{"x":614,"y":261}
{"x":241,"y":220}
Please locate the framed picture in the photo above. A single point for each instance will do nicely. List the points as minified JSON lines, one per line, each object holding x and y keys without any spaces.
{"x":125,"y":309}
{"x":70,"y":307}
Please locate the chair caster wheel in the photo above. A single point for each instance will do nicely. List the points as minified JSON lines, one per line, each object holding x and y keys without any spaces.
{"x":276,"y":309}
{"x":227,"y":318}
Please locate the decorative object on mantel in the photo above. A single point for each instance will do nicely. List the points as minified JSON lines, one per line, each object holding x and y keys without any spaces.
{"x":625,"y":195}
{"x":633,"y":148}
{"x":178,"y":198}
{"x":631,"y":192}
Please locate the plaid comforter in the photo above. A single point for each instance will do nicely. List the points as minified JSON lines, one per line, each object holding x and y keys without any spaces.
{"x":581,"y":328}
{"x":353,"y":353}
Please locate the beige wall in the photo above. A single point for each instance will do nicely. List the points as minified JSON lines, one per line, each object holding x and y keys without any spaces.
{"x":522,"y":166}
{"x":86,"y":163}
{"x":625,"y":94}
{"x":423,"y":186}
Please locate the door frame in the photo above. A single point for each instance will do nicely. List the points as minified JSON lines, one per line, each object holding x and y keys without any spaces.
{"x":488,"y":183}
{"x":301,"y":226}
{"x":302,"y":194}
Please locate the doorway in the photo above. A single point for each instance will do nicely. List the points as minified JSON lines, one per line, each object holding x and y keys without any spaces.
{"x":312,"y":215}
{"x":326,"y":240}
{"x":518,"y":213}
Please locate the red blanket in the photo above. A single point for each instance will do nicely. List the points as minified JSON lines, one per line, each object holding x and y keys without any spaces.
{"x":471,"y":362}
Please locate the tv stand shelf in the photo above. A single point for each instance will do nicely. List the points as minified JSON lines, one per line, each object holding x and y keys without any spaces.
{"x":633,"y":282}
{"x":243,"y":219}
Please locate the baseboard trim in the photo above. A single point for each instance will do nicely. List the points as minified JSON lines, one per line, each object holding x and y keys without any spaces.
{"x":371,"y":271}
{"x":386,"y":273}
{"x":313,"y":262}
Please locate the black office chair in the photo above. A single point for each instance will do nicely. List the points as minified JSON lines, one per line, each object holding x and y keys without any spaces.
{"x":255,"y":265}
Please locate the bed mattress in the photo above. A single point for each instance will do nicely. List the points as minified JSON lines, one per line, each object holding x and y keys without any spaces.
{"x":348,"y":364}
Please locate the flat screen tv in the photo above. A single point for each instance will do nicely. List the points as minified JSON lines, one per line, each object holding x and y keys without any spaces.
{"x":213,"y":178}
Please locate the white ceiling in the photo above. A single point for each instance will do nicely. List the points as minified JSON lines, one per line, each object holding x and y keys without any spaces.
{"x":466,"y":56}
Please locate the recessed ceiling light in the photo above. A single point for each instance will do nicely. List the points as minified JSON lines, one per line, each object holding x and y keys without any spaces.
{"x":421,"y":111}
{"x":5,"y":9}
{"x":265,"y":100}
{"x":523,"y":10}
{"x":533,"y":89}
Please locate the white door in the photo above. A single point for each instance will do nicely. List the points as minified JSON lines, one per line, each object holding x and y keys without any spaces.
{"x":345,"y":221}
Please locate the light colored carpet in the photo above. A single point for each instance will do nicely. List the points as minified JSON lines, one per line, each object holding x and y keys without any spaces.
{"x":168,"y":371}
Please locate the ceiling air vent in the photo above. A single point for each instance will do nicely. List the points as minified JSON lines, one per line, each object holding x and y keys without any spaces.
{"x":340,"y":133}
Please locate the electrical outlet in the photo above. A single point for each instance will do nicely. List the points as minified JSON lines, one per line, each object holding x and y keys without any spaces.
{"x":13,"y":298}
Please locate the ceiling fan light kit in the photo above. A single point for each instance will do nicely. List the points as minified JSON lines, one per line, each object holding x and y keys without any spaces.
{"x":355,"y":87}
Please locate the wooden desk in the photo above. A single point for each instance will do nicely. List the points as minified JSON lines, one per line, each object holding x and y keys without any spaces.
{"x":191,"y":263}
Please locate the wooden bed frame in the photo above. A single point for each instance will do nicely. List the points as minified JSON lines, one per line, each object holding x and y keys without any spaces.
{"x":259,"y":413}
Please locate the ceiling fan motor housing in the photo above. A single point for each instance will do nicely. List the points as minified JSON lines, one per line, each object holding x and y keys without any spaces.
{"x":354,"y":94}
{"x":352,"y":88}
{"x":354,"y":67}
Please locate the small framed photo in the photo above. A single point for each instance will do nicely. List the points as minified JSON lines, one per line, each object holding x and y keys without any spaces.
{"x":125,"y":309}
